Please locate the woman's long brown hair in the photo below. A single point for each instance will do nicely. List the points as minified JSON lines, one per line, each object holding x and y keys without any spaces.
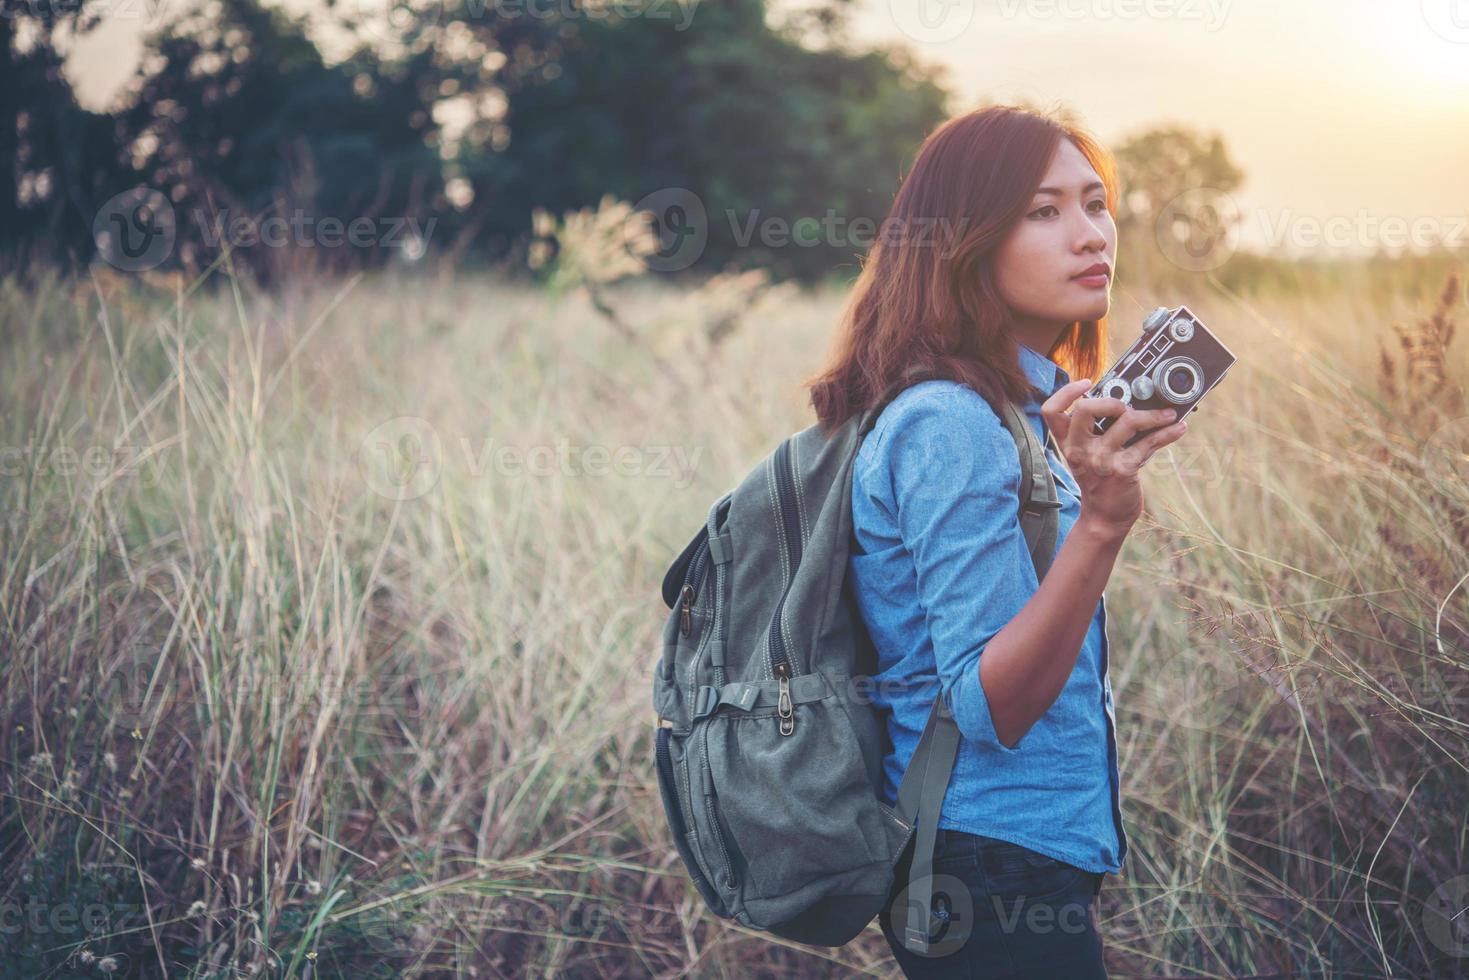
{"x":926,"y":295}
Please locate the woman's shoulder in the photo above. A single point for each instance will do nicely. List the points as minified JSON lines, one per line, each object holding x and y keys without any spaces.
{"x":940,"y":430}
{"x":939,"y":403}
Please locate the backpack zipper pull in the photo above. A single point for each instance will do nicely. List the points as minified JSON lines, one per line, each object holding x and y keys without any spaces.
{"x":783,"y":707}
{"x":686,"y":614}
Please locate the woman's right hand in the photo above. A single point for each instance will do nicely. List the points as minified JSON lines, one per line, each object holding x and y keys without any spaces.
{"x":1107,"y":473}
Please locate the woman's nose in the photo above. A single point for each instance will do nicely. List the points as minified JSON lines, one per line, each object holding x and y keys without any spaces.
{"x":1090,"y":236}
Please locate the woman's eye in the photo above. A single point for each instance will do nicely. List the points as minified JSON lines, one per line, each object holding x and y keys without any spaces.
{"x":1040,"y":212}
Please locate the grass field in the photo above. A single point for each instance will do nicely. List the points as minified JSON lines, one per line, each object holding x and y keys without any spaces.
{"x":327,"y":618}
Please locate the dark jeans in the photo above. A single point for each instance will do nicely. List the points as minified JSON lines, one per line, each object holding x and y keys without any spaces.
{"x":1007,"y":912}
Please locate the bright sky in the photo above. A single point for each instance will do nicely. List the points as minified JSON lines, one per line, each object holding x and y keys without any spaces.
{"x":1350,"y":118}
{"x":1353,"y":114}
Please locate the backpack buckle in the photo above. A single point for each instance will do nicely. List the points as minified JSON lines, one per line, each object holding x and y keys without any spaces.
{"x":706,"y":701}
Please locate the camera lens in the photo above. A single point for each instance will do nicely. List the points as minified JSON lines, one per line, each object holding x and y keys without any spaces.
{"x":1179,"y":379}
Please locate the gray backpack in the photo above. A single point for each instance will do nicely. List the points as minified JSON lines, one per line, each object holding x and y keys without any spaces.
{"x":769,"y":747}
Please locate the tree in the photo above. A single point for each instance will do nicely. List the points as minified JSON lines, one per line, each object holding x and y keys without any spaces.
{"x":240,"y":121}
{"x":762,"y":131}
{"x":1176,"y":195}
{"x":55,"y":156}
{"x":1159,"y":164}
{"x":470,"y":114}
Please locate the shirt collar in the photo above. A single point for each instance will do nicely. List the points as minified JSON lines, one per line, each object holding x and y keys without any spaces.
{"x":1042,"y":372}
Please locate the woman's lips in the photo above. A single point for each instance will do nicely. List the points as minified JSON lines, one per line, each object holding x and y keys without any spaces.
{"x":1095,"y":281}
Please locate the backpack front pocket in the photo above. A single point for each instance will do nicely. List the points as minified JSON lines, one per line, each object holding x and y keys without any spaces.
{"x":800,"y":808}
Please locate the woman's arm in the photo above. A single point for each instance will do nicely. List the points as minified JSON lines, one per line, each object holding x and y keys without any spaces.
{"x":1026,"y":665}
{"x":1028,"y":661}
{"x":955,"y":485}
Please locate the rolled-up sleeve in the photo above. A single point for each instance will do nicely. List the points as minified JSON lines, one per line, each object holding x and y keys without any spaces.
{"x":956,"y":479}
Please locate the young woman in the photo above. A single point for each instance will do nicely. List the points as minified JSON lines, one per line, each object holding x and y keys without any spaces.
{"x":993,"y":273}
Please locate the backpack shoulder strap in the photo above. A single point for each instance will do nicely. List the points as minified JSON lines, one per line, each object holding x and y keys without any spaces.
{"x":1038,"y":501}
{"x":926,"y":780}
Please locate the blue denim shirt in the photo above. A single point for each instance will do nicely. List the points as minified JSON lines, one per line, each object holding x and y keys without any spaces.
{"x":939,"y":566}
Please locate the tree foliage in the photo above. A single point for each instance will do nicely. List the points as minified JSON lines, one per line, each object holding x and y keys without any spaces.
{"x":447,"y":124}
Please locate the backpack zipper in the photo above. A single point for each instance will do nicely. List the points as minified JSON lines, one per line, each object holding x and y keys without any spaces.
{"x":666,"y":770}
{"x":783,"y":707}
{"x":690,"y":594}
{"x":790,"y":523}
{"x":701,"y":575}
{"x":707,"y":775}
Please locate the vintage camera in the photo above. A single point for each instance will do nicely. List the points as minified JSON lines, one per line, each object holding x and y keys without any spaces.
{"x":1174,"y":364}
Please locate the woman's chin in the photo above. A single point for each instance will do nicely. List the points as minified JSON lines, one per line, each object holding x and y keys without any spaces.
{"x":1094,"y":310}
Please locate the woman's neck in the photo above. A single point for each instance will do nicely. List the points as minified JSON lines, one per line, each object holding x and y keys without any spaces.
{"x":1038,"y":335}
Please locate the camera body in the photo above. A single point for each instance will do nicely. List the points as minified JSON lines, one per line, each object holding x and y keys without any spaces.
{"x":1173,"y":364}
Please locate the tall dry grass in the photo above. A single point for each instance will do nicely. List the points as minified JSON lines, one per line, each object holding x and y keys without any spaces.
{"x":303,"y":675}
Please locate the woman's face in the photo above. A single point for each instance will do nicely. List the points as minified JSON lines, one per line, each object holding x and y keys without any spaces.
{"x":1066,"y":230}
